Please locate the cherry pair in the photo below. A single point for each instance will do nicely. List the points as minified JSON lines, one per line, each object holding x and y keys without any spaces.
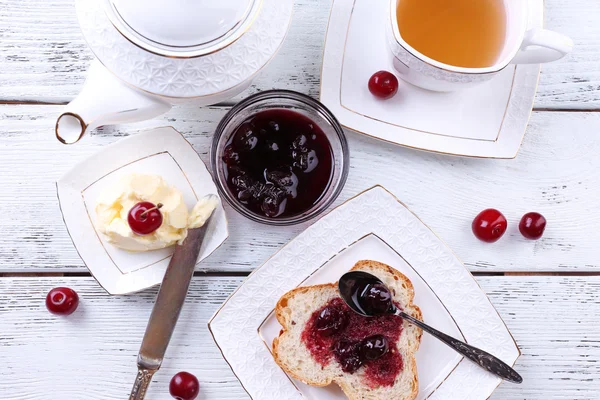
{"x":489,"y":225}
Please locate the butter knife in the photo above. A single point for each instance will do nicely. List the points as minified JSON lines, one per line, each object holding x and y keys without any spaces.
{"x":167,"y":307}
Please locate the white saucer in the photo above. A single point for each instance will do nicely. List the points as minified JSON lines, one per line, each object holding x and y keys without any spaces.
{"x":373,"y":225}
{"x":160,"y":151}
{"x":486,"y":121}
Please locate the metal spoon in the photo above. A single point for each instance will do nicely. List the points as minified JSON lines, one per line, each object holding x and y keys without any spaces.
{"x":353,"y":284}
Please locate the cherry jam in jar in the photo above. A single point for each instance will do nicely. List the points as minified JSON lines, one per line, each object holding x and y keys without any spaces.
{"x":280,"y":157}
{"x":278,"y":162}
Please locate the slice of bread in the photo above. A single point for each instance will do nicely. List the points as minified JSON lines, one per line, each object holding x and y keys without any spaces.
{"x":296,"y":307}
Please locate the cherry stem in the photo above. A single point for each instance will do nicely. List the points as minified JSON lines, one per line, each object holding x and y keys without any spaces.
{"x":158,"y":207}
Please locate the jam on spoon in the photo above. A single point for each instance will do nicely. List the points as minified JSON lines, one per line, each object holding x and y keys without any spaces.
{"x":375,"y":298}
{"x":278,"y":163}
{"x":367,"y":296}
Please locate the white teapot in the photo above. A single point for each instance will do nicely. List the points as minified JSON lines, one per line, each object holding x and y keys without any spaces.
{"x":152,"y":54}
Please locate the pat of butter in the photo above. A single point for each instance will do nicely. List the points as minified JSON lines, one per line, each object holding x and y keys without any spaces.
{"x":113,"y":208}
{"x":202,"y":211}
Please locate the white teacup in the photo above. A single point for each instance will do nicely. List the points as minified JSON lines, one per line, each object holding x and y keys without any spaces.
{"x":522,"y":46}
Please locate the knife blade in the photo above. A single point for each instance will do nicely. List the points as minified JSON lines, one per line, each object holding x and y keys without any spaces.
{"x":169,"y":301}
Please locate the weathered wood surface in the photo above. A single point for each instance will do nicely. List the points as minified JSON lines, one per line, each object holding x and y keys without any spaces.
{"x":92,"y":354}
{"x":556,"y":173}
{"x":43,"y":56}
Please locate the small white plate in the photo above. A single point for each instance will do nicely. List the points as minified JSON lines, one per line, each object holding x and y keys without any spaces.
{"x":485,"y":121}
{"x":374,"y":225}
{"x":160,"y":151}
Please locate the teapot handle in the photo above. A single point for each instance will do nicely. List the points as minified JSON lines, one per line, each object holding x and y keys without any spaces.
{"x":105,"y":100}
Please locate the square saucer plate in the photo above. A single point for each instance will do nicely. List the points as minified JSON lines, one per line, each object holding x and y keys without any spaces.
{"x":160,"y":151}
{"x":373,"y":225}
{"x":488,"y":120}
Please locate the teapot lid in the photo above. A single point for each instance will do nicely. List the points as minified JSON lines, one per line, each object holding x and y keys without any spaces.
{"x":182,"y":28}
{"x":211,"y":72}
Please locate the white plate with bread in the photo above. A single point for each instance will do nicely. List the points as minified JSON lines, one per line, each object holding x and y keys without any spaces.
{"x":262,"y":329}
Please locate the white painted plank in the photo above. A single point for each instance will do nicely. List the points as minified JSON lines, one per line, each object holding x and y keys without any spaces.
{"x":554,"y":321}
{"x":555,"y":174}
{"x":43,"y":56}
{"x":92,"y":354}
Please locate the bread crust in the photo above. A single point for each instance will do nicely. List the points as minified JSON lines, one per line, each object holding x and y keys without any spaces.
{"x":283,"y":314}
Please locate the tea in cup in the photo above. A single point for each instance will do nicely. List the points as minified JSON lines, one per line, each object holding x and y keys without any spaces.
{"x":446,"y":45}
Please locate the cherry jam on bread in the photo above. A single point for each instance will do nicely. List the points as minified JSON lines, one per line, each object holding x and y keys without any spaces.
{"x":279,"y":163}
{"x":335,"y":333}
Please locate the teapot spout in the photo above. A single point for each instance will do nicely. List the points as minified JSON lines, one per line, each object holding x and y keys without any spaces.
{"x":105,"y":100}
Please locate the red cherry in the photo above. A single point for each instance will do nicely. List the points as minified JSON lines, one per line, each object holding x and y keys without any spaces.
{"x":144,"y":218}
{"x":489,"y":225}
{"x":184,"y":386}
{"x":532,"y":225}
{"x":383,"y":84}
{"x":62,"y":301}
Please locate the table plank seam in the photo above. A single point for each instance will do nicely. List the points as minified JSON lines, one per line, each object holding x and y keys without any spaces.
{"x":229,"y":104}
{"x":243,"y":274}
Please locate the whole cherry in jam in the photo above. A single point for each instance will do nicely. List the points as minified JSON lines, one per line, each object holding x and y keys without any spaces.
{"x":347,"y":353}
{"x":62,"y":301}
{"x":278,"y":163}
{"x":354,"y":354}
{"x":373,"y":347}
{"x":245,"y":138}
{"x":375,"y":299}
{"x":145,"y":218}
{"x":230,"y":156}
{"x":532,"y":225}
{"x":184,"y":386}
{"x":331,"y":321}
{"x":383,"y":84}
{"x":489,"y":225}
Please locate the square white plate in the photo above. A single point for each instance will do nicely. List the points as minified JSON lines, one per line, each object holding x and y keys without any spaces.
{"x":435,"y":360}
{"x":374,"y":225}
{"x":160,"y":151}
{"x":488,"y":120}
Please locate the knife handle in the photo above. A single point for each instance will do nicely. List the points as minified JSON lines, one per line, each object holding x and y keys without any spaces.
{"x":142,"y":381}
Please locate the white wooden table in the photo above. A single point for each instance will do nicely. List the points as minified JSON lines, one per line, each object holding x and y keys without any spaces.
{"x":546,"y":291}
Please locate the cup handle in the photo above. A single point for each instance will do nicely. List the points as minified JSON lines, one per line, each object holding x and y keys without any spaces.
{"x":542,"y":46}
